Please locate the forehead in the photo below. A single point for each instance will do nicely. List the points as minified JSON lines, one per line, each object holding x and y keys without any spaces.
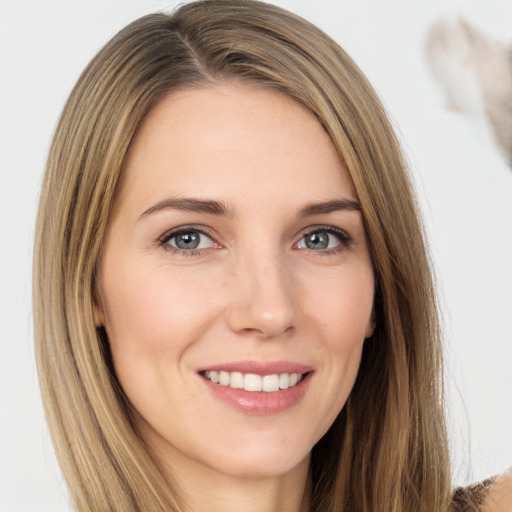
{"x":233,"y":140}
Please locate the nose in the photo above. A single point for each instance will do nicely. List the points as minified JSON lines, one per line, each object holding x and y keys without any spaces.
{"x":262,"y":301}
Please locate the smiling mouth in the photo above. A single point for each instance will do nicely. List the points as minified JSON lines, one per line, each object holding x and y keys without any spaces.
{"x":253,"y":382}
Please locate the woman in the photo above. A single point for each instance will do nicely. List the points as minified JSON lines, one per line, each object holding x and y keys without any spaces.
{"x":233,"y":302}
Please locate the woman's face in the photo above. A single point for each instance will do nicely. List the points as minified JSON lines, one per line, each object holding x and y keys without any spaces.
{"x":235,"y":282}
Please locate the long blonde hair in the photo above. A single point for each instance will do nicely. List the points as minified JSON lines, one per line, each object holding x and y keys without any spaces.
{"x":387,"y":449}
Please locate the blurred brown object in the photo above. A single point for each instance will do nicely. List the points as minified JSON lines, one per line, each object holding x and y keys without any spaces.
{"x":475,"y":73}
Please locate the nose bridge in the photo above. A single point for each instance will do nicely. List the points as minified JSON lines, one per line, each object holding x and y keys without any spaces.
{"x":263,"y":298}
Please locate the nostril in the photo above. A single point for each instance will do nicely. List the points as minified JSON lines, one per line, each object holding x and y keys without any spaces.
{"x":266,"y":331}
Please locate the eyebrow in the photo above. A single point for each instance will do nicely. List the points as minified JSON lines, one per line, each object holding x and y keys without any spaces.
{"x":219,"y":208}
{"x":191,"y":205}
{"x":329,"y":206}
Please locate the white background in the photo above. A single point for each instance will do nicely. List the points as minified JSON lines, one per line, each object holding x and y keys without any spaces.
{"x":464,"y":187}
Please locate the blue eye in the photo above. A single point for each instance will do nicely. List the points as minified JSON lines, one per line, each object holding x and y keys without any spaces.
{"x":188,"y":240}
{"x":324,"y":239}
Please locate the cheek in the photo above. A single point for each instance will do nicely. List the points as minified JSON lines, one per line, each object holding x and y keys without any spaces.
{"x":150,"y":312}
{"x":349,"y":326}
{"x":152,"y":318}
{"x":343,"y":308}
{"x":343,"y":315}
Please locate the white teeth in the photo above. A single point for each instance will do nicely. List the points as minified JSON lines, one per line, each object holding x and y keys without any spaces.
{"x":236,"y":380}
{"x":224,"y":378}
{"x":284,"y":380}
{"x":270,"y":383}
{"x":253,"y":382}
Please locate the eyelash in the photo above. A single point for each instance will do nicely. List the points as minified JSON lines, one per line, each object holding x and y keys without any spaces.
{"x":169,"y":235}
{"x":345,"y":240}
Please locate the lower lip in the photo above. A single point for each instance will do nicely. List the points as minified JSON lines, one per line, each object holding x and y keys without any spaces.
{"x":260,"y":402}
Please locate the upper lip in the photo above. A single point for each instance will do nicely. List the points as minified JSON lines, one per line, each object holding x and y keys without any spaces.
{"x":260,"y":367}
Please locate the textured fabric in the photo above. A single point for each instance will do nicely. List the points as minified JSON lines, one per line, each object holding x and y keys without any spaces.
{"x":470,"y":499}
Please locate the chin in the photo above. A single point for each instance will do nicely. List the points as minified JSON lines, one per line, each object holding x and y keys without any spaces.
{"x":261,"y":467}
{"x":260,"y":460}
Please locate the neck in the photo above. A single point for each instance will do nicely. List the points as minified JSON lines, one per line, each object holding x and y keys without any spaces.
{"x":202,"y":488}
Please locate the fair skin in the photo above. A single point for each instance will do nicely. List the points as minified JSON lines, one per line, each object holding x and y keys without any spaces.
{"x":235,"y":245}
{"x":500,"y":494}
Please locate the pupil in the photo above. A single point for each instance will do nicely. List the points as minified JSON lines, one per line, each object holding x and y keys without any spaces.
{"x":187,"y":240}
{"x":317,"y":241}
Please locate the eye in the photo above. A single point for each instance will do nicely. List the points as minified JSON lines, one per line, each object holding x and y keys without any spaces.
{"x":187,"y":240}
{"x":324,"y":239}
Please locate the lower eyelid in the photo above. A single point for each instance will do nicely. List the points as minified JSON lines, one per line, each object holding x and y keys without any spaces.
{"x":182,"y":252}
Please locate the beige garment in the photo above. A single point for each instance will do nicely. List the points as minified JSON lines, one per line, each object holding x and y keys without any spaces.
{"x":470,"y":499}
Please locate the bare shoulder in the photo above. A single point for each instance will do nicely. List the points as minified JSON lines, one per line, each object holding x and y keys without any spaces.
{"x":499,"y":497}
